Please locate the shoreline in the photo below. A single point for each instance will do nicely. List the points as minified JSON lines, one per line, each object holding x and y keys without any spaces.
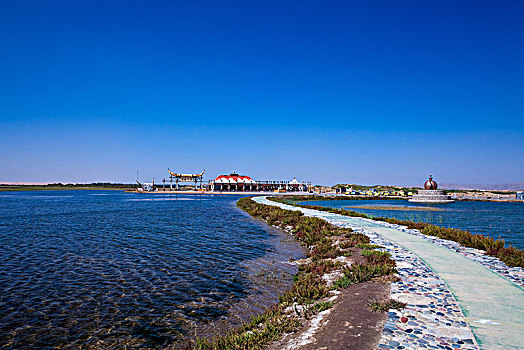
{"x":323,"y":196}
{"x":37,"y":189}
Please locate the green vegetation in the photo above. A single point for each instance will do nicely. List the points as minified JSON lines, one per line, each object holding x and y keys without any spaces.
{"x":262,"y":329}
{"x":511,"y":256}
{"x":358,"y":273}
{"x":374,"y":257}
{"x":304,"y":298}
{"x":385,"y":305}
{"x":322,"y":306}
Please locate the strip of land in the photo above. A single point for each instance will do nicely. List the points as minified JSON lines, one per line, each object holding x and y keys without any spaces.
{"x":492,"y":305}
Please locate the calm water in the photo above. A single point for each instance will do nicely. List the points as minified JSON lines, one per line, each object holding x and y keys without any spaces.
{"x":107,"y":269}
{"x":487,"y":218}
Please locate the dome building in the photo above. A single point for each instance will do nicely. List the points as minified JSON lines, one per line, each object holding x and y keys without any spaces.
{"x":243,"y":183}
{"x":430,"y":184}
{"x":431,"y":194}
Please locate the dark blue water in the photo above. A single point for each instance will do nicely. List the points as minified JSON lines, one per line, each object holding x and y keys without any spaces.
{"x":495,"y":219}
{"x":108,"y":269}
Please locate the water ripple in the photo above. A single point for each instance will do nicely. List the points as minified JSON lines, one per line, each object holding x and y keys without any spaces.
{"x":115,"y":271}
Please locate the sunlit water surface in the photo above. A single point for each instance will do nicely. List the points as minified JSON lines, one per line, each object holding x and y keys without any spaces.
{"x":106,"y":269}
{"x":495,"y":219}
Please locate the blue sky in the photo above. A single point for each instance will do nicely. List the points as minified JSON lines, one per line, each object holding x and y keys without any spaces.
{"x":331,"y":92}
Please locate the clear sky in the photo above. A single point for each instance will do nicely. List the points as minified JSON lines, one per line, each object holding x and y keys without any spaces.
{"x":370,"y":92}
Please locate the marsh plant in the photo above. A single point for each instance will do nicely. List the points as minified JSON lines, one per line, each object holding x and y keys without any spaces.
{"x":385,"y":305}
{"x":358,"y":273}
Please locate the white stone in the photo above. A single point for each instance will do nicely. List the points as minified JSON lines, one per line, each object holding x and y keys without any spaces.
{"x":453,"y":332}
{"x":412,"y":299}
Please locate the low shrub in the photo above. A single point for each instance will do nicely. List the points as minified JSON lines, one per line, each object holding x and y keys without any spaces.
{"x":358,"y":273}
{"x":385,"y":305}
{"x":257,"y":334}
{"x":320,"y":267}
{"x":375,"y":257}
{"x":306,"y":289}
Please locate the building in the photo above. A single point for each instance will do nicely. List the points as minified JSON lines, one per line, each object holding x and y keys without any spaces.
{"x":243,"y":183}
{"x":233,"y":182}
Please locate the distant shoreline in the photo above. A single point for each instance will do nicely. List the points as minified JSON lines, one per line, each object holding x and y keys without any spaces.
{"x":129,"y":188}
{"x":13,"y":188}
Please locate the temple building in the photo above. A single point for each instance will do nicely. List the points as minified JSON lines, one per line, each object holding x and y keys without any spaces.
{"x":243,"y":183}
{"x":431,"y":194}
{"x":233,"y":182}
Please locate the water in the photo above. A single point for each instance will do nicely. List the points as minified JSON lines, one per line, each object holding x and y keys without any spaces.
{"x":504,"y":219}
{"x":106,"y":269}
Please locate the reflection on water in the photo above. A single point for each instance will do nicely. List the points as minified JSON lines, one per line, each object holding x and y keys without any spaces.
{"x":83,"y":270}
{"x":504,"y":219}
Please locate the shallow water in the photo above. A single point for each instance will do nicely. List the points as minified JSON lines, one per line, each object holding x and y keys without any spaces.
{"x":109,"y":269}
{"x":504,"y":219}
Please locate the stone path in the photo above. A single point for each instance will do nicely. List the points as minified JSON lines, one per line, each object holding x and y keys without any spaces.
{"x":493,"y":306}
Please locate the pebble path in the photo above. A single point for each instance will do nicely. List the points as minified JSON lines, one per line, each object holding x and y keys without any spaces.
{"x":432,"y":318}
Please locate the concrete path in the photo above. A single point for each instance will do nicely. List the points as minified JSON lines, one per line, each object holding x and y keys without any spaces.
{"x":492,"y":305}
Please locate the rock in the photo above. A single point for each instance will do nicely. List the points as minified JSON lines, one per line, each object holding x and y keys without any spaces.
{"x":452,"y":332}
{"x":403,"y":265}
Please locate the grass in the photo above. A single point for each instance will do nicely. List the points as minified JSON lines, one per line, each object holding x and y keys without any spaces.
{"x":385,"y":305}
{"x":511,"y":256}
{"x":320,"y":267}
{"x":374,"y":257}
{"x":305,"y":297}
{"x":261,"y":330}
{"x":306,"y":288}
{"x":359,"y":273}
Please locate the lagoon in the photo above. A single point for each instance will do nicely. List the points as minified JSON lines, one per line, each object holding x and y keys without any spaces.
{"x":111,"y":269}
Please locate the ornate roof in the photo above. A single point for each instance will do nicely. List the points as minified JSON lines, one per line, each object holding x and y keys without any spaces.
{"x":186,"y":175}
{"x":234,"y":179}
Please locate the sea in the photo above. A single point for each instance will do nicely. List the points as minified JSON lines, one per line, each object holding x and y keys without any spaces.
{"x":115,"y":270}
{"x":496,"y":219}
